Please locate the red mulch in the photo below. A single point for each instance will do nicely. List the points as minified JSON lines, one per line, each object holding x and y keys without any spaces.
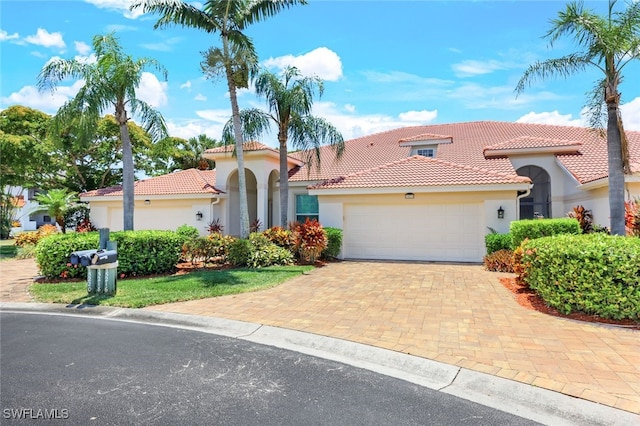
{"x":528,"y":299}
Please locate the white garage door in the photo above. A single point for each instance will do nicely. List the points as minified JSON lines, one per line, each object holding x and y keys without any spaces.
{"x":437,"y":232}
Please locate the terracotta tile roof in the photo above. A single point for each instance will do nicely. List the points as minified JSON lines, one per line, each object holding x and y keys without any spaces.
{"x":469,"y":141}
{"x":535,"y":143}
{"x":190,"y":181}
{"x":420,"y":171}
{"x":247,"y":146}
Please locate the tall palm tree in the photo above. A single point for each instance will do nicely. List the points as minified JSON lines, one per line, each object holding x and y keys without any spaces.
{"x":607,"y":43}
{"x":236,"y":59}
{"x":290,"y":101}
{"x":110,"y":82}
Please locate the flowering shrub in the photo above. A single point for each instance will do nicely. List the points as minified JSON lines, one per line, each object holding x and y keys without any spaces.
{"x":311,"y":239}
{"x":85,"y":225}
{"x":32,"y":238}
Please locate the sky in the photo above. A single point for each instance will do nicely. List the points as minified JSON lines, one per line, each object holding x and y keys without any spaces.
{"x":385,"y":64}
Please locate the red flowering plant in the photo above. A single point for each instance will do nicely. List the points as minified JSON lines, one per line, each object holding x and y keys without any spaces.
{"x":632,"y":217}
{"x":311,"y":239}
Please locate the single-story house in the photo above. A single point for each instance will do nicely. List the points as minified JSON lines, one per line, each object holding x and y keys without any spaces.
{"x":415,"y":193}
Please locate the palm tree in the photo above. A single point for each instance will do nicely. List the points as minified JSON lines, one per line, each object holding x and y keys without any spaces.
{"x":56,"y":202}
{"x":110,"y":82}
{"x":236,"y":59}
{"x":290,"y":101}
{"x":607,"y":44}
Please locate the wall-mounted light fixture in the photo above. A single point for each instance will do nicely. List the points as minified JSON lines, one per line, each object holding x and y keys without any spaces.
{"x":500,"y":213}
{"x":199,"y":216}
{"x":147,"y":202}
{"x":409,"y":196}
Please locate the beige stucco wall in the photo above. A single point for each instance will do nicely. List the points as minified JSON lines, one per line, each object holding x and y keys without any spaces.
{"x":160,"y":214}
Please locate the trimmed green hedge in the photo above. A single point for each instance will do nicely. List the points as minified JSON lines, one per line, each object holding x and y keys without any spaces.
{"x":538,"y":228}
{"x":139,"y":252}
{"x":495,"y":242}
{"x":334,"y":243}
{"x":594,"y":273}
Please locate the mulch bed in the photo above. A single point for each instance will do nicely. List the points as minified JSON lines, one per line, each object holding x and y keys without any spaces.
{"x":528,"y":299}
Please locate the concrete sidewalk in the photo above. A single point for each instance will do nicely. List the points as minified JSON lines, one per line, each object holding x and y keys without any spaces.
{"x":458,"y":315}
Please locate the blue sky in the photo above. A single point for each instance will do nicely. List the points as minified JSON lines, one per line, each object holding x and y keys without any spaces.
{"x":386,"y":64}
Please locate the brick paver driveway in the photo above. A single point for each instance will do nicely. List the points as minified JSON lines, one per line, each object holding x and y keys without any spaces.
{"x":457,"y":314}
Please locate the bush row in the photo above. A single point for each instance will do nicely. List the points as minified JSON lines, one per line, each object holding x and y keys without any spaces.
{"x":595,"y":273}
{"x":139,"y":252}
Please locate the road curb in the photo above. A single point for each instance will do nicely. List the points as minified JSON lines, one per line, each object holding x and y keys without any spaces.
{"x":537,"y":404}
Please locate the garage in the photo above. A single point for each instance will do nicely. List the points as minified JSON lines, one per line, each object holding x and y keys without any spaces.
{"x":415,"y":231}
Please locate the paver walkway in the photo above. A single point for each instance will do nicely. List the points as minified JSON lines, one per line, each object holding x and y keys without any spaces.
{"x":457,"y":314}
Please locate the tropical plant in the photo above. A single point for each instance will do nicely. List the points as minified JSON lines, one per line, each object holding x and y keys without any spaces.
{"x":311,"y":239}
{"x":215,"y":226}
{"x":584,"y":218}
{"x":180,"y":154}
{"x":608,"y":44}
{"x":56,"y":202}
{"x":110,"y":82}
{"x":290,"y":101}
{"x":632,"y":217}
{"x":236,"y":59}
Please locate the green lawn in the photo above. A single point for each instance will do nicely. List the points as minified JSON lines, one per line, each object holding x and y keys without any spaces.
{"x":138,"y":293}
{"x":8,"y":249}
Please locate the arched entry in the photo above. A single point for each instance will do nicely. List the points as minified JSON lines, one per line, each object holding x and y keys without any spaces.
{"x":234,"y":200}
{"x":273,"y":209}
{"x":538,"y":202}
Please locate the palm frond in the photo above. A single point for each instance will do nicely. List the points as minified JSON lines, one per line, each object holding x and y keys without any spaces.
{"x":560,"y":67}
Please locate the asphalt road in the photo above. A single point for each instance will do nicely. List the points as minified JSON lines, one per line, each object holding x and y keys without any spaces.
{"x":96,"y":371}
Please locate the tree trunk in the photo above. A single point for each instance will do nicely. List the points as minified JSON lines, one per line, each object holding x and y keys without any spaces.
{"x":237,"y":132}
{"x":616,"y":170}
{"x":127,"y":170}
{"x":284,"y":183}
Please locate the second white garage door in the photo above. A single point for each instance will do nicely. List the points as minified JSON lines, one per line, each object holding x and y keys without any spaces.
{"x":431,"y":232}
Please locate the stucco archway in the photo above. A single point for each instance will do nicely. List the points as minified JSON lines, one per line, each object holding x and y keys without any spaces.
{"x":234,"y":200}
{"x":538,"y":202}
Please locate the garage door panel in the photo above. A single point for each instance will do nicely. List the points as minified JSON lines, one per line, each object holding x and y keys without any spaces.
{"x":438,"y":232}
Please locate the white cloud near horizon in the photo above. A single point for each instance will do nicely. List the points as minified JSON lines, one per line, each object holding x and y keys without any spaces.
{"x":43,"y":38}
{"x":421,"y":117}
{"x":44,"y":101}
{"x":631,"y":114}
{"x":322,"y":62}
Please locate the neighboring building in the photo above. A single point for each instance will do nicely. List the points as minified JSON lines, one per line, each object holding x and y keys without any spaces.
{"x":415,"y":193}
{"x":25,"y":205}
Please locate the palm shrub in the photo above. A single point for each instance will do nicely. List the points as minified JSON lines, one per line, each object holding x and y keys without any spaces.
{"x":311,"y":239}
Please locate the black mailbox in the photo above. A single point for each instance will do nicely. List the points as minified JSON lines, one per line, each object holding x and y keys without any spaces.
{"x":82,"y":257}
{"x":102,"y":257}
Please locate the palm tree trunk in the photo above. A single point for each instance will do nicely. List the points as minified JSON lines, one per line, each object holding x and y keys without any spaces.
{"x":127,"y":173}
{"x":237,"y":130}
{"x":616,"y":170}
{"x":284,"y":184}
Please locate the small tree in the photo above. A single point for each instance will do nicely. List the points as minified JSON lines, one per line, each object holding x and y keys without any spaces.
{"x":56,"y":202}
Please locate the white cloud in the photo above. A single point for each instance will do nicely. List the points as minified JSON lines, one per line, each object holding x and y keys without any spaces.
{"x":631,"y":114}
{"x":322,"y":62}
{"x":194,"y":128}
{"x":82,"y":47}
{"x":215,"y":115}
{"x":45,"y":101}
{"x":476,"y":96}
{"x":186,"y":85}
{"x":200,"y":97}
{"x":152,"y":91}
{"x":419,"y":117}
{"x":91,"y":59}
{"x":350,"y":108}
{"x":163,"y":46}
{"x":553,"y":117}
{"x":470,"y":68}
{"x":46,"y":39}
{"x":5,"y":36}
{"x":354,"y":126}
{"x":117,"y":5}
